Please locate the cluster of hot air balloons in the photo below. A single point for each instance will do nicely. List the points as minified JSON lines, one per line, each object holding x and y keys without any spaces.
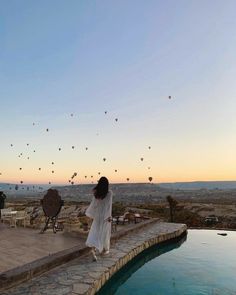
{"x":71,"y":180}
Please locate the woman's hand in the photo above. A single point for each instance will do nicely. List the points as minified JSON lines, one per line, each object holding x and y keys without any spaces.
{"x":109,"y":219}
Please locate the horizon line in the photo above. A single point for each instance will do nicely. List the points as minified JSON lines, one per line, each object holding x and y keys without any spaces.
{"x":127,"y":182}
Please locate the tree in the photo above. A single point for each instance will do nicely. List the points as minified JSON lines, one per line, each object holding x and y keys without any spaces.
{"x":172,"y":204}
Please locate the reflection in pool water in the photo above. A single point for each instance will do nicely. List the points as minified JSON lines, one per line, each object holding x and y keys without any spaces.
{"x":204,"y":264}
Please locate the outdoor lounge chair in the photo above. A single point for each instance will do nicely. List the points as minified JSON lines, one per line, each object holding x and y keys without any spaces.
{"x":126,"y":218}
{"x":137,"y":217}
{"x":114,"y":225}
{"x":20,"y":216}
{"x":6,"y":215}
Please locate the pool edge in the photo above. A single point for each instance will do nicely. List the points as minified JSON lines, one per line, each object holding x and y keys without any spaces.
{"x":159,"y":238}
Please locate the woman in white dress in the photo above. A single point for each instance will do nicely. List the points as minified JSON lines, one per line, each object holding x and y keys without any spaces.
{"x":100,"y":210}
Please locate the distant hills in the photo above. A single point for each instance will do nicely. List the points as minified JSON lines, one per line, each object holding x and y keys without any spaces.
{"x":200,"y":185}
{"x":194,"y":185}
{"x":131,"y":192}
{"x":19,"y":189}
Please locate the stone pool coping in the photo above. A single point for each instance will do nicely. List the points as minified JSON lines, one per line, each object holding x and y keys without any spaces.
{"x":82,"y":276}
{"x":35,"y":268}
{"x":122,"y":258}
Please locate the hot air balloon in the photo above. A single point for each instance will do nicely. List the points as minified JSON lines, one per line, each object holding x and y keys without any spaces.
{"x":115,"y":170}
{"x":169,"y":96}
{"x":127,"y":179}
{"x":47,"y":129}
{"x":104,"y":159}
{"x":116,"y":119}
{"x":52,"y":171}
{"x":150,"y":178}
{"x":73,"y":146}
{"x":59,"y":149}
{"x":141,"y":159}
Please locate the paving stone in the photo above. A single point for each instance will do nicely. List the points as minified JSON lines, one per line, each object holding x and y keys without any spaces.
{"x":76,"y":277}
{"x":58,"y":291}
{"x":80,"y":288}
{"x":100,"y":268}
{"x":73,"y":268}
{"x":95,"y":275}
{"x":66,"y":281}
{"x":88,"y":280}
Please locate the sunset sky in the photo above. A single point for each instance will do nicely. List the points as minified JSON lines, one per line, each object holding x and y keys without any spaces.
{"x":126,"y":57}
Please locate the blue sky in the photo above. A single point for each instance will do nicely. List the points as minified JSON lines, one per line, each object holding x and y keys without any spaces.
{"x":126,"y":57}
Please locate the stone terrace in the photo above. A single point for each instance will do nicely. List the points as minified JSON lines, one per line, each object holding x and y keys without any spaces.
{"x":82,"y":276}
{"x":19,"y":245}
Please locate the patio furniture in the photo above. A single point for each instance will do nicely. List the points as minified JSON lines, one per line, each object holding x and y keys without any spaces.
{"x":52,"y":204}
{"x":211,"y":220}
{"x":137,"y":217}
{"x":19,"y":216}
{"x":114,"y":224}
{"x":6,"y":215}
{"x":126,"y":218}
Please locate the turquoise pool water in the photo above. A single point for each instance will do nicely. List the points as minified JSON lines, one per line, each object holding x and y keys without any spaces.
{"x":199,"y":264}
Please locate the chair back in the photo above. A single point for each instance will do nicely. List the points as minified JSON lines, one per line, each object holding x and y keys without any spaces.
{"x":5,"y":212}
{"x":21,"y":214}
{"x":129,"y":216}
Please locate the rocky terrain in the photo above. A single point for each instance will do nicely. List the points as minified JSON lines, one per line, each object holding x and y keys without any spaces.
{"x":193,"y":205}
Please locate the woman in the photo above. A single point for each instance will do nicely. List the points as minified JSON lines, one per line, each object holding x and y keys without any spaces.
{"x":100,"y":211}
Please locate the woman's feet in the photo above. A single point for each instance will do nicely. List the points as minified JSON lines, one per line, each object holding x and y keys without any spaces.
{"x":94,"y":255}
{"x":105,"y":252}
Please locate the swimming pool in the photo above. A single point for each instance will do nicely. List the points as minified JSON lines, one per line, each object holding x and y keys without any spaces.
{"x":200,"y":264}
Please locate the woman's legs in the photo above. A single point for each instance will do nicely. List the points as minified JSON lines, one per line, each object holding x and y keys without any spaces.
{"x":93,"y":252}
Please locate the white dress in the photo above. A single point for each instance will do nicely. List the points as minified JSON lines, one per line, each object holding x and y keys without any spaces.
{"x":100,"y":231}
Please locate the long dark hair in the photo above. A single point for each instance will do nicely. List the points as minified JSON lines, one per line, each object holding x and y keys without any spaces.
{"x":101,"y":189}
